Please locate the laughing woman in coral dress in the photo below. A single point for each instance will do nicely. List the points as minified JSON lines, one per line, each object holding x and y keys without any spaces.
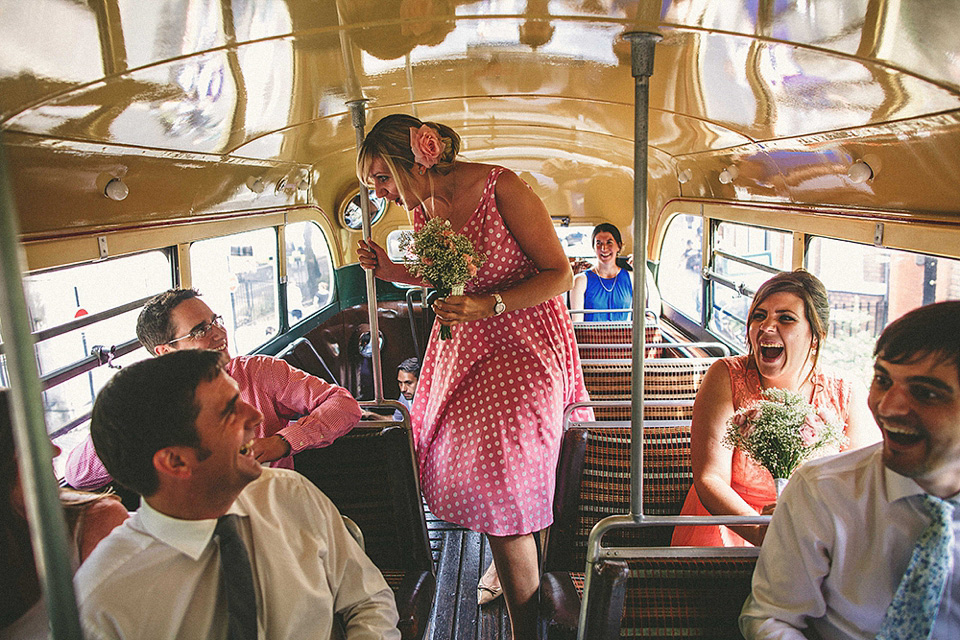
{"x":487,"y":416}
{"x":786,"y":326}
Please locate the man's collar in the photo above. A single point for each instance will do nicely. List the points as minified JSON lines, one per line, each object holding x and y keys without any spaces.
{"x":189,"y":537}
{"x":898,"y":486}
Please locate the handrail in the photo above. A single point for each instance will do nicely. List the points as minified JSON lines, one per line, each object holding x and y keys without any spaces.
{"x":359,"y":119}
{"x":650,"y":345}
{"x":749,"y":263}
{"x":48,"y":527}
{"x":101,"y":356}
{"x":84,"y":321}
{"x":642,"y":50}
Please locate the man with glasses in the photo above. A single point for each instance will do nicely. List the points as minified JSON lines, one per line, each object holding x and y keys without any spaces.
{"x":300,"y":411}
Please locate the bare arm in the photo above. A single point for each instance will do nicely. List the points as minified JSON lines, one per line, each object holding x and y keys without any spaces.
{"x":528,"y":221}
{"x":100,"y":519}
{"x":578,"y":292}
{"x":712,"y":460}
{"x":373,"y":256}
{"x":861,"y":427}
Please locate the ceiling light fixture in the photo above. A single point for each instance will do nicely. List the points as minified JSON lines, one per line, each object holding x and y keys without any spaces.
{"x":116,"y":189}
{"x":859,"y":172}
{"x":255,"y":184}
{"x":729,"y":174}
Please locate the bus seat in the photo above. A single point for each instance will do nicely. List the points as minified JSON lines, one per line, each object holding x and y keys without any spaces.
{"x":560,"y":601}
{"x":663,"y":595}
{"x":612,"y":339}
{"x":370,"y":475}
{"x":593,"y":482}
{"x":301,"y":354}
{"x":663,"y":379}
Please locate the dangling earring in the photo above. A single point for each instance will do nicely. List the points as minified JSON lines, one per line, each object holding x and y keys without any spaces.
{"x":421,"y":169}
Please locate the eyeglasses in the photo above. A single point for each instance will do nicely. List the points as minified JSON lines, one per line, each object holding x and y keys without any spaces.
{"x":202,"y":330}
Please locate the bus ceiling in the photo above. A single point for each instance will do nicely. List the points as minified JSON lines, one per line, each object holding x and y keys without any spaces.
{"x":153,"y":114}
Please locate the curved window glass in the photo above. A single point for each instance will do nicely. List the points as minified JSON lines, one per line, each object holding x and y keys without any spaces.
{"x":309,"y":270}
{"x":680,"y":265}
{"x":353,"y":214}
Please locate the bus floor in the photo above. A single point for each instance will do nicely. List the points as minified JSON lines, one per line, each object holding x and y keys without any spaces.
{"x":460,"y":557}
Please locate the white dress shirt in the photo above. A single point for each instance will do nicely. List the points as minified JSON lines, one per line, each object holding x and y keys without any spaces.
{"x":839,"y":543}
{"x":397,"y":415}
{"x":158,"y":577}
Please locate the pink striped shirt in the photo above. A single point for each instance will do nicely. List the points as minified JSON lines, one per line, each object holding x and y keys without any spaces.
{"x":308,"y":412}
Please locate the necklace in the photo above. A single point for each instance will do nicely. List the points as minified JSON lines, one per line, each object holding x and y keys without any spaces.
{"x":601,"y":279}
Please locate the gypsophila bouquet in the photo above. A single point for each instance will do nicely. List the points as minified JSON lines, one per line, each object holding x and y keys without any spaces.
{"x":781,"y":431}
{"x":442,"y":257}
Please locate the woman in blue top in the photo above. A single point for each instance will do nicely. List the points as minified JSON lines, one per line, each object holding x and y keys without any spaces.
{"x":609,"y":284}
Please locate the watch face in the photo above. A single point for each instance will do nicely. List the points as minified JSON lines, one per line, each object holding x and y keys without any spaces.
{"x":499,"y":307}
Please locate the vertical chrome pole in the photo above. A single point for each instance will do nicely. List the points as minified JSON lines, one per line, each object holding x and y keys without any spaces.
{"x":358,"y":115}
{"x":48,"y":528}
{"x":641,"y":49}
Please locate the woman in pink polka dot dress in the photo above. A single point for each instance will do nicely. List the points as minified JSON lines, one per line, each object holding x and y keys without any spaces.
{"x":487,"y":416}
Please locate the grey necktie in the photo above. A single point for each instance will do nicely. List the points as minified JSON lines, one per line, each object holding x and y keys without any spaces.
{"x":236,"y":580}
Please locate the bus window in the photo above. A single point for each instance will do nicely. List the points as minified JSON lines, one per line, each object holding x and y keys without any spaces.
{"x":352,"y":213}
{"x":870,"y":287}
{"x":57,"y":297}
{"x":309,"y":271}
{"x":743,"y":258}
{"x":680,"y":265}
{"x":394,"y":238}
{"x":575,"y":240}
{"x":237,"y":276}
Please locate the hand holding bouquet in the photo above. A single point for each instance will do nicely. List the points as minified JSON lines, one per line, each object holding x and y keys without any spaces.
{"x":781,"y":431}
{"x":445,"y":259}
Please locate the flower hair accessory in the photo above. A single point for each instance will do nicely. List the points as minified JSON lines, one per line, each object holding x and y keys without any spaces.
{"x":426,"y":144}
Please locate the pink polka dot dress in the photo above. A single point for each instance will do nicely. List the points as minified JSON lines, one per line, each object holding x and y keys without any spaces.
{"x":488,"y":412}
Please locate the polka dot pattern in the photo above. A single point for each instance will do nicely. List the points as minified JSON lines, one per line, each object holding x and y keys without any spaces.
{"x":487,"y":416}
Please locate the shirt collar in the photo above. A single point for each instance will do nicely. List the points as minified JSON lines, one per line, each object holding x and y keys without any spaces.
{"x":189,"y":537}
{"x":898,"y":487}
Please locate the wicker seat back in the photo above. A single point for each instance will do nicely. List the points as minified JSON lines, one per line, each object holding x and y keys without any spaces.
{"x":663,"y":379}
{"x":594,"y":482}
{"x":674,"y":597}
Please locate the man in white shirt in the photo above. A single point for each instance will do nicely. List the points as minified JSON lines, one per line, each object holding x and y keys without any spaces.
{"x":845,"y":528}
{"x":176,"y":430}
{"x":408,"y":374}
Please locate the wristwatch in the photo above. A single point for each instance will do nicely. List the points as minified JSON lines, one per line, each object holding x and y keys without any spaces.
{"x":498,"y":306}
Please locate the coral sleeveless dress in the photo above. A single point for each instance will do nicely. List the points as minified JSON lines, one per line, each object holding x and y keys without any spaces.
{"x":750,"y":480}
{"x":488,"y":412}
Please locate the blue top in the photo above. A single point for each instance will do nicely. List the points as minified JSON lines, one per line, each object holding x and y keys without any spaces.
{"x":608,"y":293}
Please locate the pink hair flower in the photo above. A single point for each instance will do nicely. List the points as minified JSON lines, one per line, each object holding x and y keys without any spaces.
{"x":426,"y":145}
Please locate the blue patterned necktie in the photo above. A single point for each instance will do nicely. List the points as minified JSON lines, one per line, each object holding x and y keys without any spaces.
{"x":236,"y":581}
{"x":913,"y":611}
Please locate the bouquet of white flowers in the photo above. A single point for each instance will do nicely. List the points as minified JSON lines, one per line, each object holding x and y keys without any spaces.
{"x":445,"y":259}
{"x":781,"y":431}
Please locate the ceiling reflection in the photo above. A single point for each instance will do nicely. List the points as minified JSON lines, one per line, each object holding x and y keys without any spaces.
{"x":269,"y":79}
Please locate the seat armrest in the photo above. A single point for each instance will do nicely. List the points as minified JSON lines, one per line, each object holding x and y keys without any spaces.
{"x":414,"y":600}
{"x":559,"y":606}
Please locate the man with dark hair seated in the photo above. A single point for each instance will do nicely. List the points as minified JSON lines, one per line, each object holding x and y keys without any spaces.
{"x":220,"y":545}
{"x":863,"y":545}
{"x":300,"y":411}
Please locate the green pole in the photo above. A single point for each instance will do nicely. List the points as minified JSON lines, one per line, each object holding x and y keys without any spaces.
{"x":48,"y":528}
